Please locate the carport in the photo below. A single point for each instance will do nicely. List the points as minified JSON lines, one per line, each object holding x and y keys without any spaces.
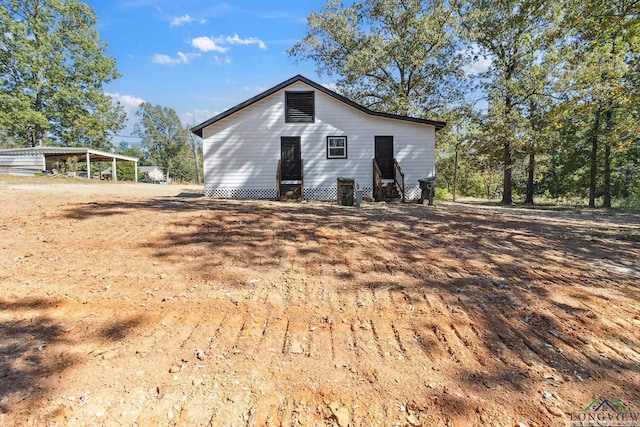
{"x":41,"y":156}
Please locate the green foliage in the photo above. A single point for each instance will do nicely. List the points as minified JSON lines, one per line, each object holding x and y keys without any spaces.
{"x":166,"y":141}
{"x":601,"y":79}
{"x":184,"y":166}
{"x":442,"y":194}
{"x":394,"y":57}
{"x":53,"y":66}
{"x":516,"y":35}
{"x":126,"y":170}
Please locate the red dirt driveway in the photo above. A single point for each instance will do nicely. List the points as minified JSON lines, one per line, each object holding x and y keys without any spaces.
{"x":126,"y":304}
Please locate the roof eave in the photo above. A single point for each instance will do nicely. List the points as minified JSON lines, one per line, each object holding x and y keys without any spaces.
{"x":197,"y":130}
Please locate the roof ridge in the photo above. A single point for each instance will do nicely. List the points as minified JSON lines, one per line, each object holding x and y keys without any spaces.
{"x":197,"y":130}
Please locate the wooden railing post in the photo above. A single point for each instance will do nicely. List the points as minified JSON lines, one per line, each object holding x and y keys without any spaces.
{"x":278,"y":174}
{"x":377,"y":181}
{"x":398,"y":177}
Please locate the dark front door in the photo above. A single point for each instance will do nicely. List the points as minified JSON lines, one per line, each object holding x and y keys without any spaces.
{"x":384,"y":156}
{"x":291,"y":158}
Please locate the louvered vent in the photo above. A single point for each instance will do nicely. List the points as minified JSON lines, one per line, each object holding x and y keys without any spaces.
{"x":299,"y":107}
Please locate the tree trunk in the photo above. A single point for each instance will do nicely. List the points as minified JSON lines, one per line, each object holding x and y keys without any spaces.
{"x":455,"y":175}
{"x":37,"y":133}
{"x":195,"y":151}
{"x":607,"y":161}
{"x":594,"y":161}
{"x":507,"y":182}
{"x":607,"y":176}
{"x":532,"y":156}
{"x":487,"y":187}
{"x":506,"y":186}
{"x":530,"y":185}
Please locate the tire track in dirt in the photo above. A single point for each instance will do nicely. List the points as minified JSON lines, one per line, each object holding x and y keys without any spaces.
{"x":393,"y":321}
{"x":486,"y":330}
{"x":464,"y":329}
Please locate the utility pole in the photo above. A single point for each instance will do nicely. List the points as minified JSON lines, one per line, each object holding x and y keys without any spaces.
{"x":195,"y":151}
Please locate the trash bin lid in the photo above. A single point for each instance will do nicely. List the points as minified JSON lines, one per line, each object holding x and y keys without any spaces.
{"x":344,"y":179}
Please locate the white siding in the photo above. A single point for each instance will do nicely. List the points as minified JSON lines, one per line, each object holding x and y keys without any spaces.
{"x":21,"y":164}
{"x":241,"y":152}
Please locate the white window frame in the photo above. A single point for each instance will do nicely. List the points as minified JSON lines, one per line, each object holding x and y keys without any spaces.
{"x":344,"y":147}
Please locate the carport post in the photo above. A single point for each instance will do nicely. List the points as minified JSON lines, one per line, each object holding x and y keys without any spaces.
{"x":135,"y":170}
{"x":88,"y":166}
{"x":114,"y":174}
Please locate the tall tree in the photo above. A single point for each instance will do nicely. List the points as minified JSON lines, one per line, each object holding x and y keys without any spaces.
{"x":393,"y":56}
{"x":454,"y":146}
{"x":163,"y":137}
{"x":512,"y":34}
{"x":52,"y":68}
{"x":537,"y":109}
{"x":602,"y":64}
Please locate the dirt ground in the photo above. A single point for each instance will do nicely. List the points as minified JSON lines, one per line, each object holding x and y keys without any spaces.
{"x":124,"y":304}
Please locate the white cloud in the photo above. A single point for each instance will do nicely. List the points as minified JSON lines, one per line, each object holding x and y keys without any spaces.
{"x":160,"y":58}
{"x":183,"y":58}
{"x":235,"y":39}
{"x":185,"y":19}
{"x":479,"y":66}
{"x":187,"y":57}
{"x":197,"y":116}
{"x":219,"y":61}
{"x":206,"y":44}
{"x":129,"y":102}
{"x":331,"y":86}
{"x":479,"y":63}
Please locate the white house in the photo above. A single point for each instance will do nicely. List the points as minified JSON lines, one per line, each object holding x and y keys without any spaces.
{"x":151,"y":173}
{"x":298,"y":137}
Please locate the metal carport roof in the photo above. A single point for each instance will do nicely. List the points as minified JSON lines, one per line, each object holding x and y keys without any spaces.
{"x":62,"y":153}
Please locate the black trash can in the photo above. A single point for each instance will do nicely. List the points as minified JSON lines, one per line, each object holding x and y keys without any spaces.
{"x":428,"y":187}
{"x":345,"y":191}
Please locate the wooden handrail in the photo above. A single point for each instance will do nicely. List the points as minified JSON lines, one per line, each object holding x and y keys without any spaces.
{"x":377,"y":181}
{"x":278,"y":174}
{"x":398,"y":177}
{"x":302,"y":179}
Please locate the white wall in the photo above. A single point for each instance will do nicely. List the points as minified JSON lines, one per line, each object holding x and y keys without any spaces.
{"x":21,"y":164}
{"x":241,"y":152}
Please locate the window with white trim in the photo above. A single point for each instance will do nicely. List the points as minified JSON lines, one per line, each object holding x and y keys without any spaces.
{"x":336,"y":147}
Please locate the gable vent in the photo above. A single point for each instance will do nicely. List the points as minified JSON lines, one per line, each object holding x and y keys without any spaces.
{"x":299,"y":107}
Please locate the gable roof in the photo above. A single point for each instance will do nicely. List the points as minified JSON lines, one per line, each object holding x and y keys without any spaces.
{"x":147,"y":169}
{"x":198,"y":129}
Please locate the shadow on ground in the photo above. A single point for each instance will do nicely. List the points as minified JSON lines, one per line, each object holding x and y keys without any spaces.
{"x":503,"y":268}
{"x":34,"y":348}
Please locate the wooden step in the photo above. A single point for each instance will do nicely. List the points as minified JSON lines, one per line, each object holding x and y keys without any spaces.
{"x":291,"y":192}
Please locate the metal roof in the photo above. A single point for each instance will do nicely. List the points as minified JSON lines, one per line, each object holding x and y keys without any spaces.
{"x":146,"y":169}
{"x":198,"y":129}
{"x":64,"y":152}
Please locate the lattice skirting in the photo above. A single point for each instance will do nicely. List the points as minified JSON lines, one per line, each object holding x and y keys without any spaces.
{"x":318,"y":193}
{"x":330,"y":193}
{"x":412,"y":193}
{"x":240,"y":193}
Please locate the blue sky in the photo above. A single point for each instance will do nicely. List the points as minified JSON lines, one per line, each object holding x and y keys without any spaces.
{"x":200,"y":57}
